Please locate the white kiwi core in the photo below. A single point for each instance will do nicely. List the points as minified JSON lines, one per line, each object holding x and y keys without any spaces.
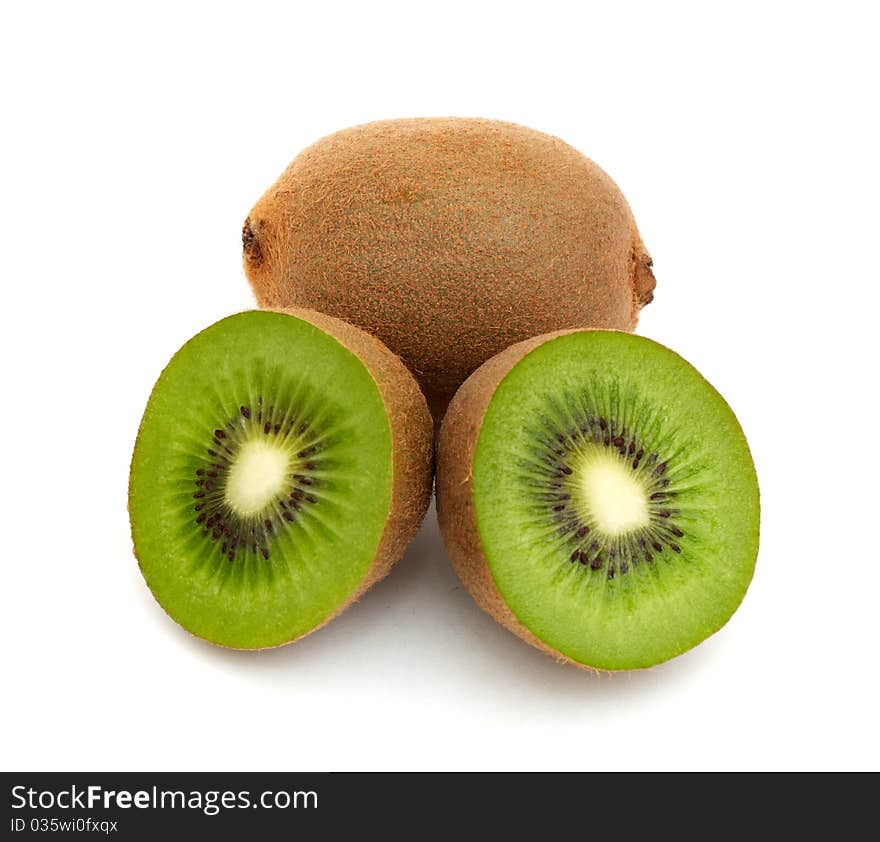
{"x":614,"y":496}
{"x":257,"y":476}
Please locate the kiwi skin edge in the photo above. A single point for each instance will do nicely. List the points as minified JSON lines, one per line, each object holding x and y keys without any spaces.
{"x":456,"y":448}
{"x":412,"y":439}
{"x":412,"y":442}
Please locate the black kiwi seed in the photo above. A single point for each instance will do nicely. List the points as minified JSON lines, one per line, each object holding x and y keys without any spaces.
{"x":554,"y":468}
{"x":215,"y":518}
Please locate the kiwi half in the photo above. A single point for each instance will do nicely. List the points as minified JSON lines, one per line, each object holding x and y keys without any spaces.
{"x":449,"y":239}
{"x":282,"y":466}
{"x":598,"y":498}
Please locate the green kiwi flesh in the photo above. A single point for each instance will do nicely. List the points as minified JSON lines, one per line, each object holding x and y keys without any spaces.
{"x":615,"y":499}
{"x":261,"y":482}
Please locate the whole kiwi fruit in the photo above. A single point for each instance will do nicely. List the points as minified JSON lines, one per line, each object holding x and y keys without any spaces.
{"x":598,"y":498}
{"x":449,"y":239}
{"x":282,"y":466}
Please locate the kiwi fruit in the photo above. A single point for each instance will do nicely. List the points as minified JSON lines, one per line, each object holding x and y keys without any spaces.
{"x":282,"y":466}
{"x":449,"y":239}
{"x":598,"y":498}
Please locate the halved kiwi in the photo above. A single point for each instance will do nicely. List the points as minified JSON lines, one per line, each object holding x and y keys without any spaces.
{"x":598,"y":498}
{"x":282,"y":466}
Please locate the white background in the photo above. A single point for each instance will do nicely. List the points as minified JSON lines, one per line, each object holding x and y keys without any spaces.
{"x":135,"y":143}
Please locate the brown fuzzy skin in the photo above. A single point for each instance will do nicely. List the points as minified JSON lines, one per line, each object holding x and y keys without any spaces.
{"x":412,"y":444}
{"x":455,"y":502}
{"x":412,"y":450}
{"x":449,"y":239}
